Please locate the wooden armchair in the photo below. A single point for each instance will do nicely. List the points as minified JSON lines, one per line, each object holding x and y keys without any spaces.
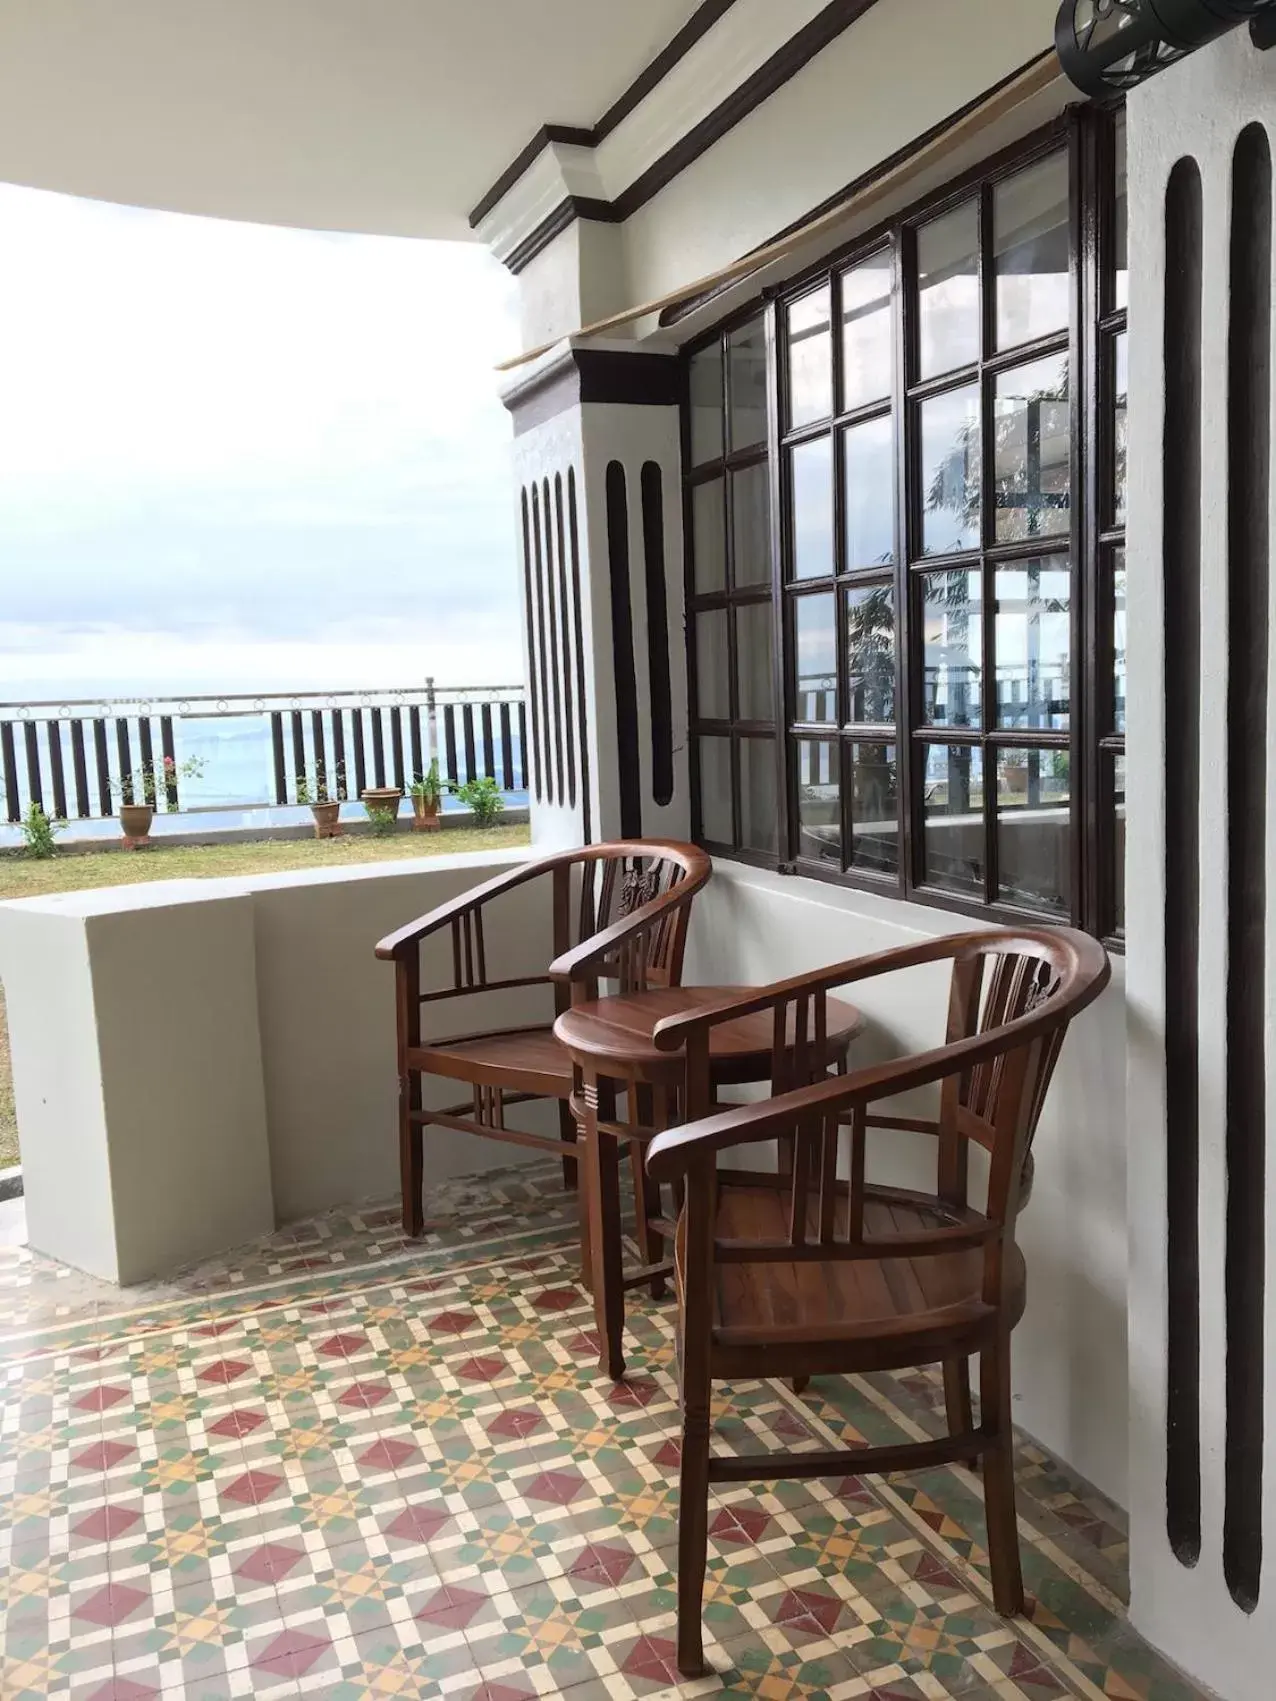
{"x":619,"y":911}
{"x":812,"y":1270}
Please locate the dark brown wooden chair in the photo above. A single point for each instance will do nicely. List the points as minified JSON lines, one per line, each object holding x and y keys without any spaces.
{"x":805,"y":1272}
{"x":619,"y":912}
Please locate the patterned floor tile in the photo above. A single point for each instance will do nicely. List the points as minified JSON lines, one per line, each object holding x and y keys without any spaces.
{"x":345,"y":1466}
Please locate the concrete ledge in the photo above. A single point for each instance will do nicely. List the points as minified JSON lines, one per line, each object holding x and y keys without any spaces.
{"x":11,"y":1182}
{"x":357,"y":828}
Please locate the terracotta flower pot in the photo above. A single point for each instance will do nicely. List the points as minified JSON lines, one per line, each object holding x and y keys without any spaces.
{"x":425,"y":814}
{"x":135,"y":820}
{"x":383,"y":797}
{"x":327,"y":819}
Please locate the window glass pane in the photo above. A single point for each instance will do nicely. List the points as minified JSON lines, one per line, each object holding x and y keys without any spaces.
{"x":948,"y":291}
{"x":1032,"y":252}
{"x":753,"y":640}
{"x":810,"y":358}
{"x":952,"y":631}
{"x":1121,"y":258}
{"x":1033,"y":463}
{"x":952,"y":487}
{"x":713,"y":702}
{"x":751,"y":518}
{"x":819,"y":802}
{"x":867,"y":333}
{"x":1120,"y":451}
{"x":815,"y":645}
{"x":870,"y":653}
{"x":811,"y":467}
{"x":875,"y":808}
{"x":715,"y":791}
{"x":1034,"y":830}
{"x":1118,"y":640}
{"x":746,"y":350}
{"x":709,"y":542}
{"x":870,"y":493}
{"x":706,"y":404}
{"x":1034,"y":643}
{"x":953,"y":812}
{"x":759,"y":805}
{"x":1116,"y":791}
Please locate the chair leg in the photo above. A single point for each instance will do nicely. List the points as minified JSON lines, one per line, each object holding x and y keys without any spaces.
{"x":957,"y":1396}
{"x":602,"y":1166}
{"x":999,"y":1478}
{"x":411,"y":1160}
{"x":693,"y":1536}
{"x":800,"y":1384}
{"x":567,"y":1133}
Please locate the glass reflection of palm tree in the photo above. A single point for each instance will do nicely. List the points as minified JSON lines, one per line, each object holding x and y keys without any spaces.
{"x":871,"y":630}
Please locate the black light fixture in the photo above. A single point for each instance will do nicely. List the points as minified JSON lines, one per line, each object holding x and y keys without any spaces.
{"x":1106,"y":46}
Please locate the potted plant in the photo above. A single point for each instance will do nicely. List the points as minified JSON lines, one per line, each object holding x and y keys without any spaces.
{"x":136,"y":818}
{"x":325,"y":810}
{"x":483,"y":798}
{"x":427,"y":798}
{"x":385,"y":799}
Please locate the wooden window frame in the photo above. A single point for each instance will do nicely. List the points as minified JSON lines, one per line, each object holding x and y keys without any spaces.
{"x":1088,"y":135}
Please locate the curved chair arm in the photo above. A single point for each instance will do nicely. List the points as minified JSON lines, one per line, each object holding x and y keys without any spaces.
{"x":394,"y":944}
{"x":592,"y":953}
{"x":671,"y":1154}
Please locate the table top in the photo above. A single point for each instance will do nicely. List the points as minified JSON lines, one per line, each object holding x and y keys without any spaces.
{"x":619,"y":1030}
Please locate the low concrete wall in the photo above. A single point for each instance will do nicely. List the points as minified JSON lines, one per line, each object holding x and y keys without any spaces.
{"x":196,"y":1061}
{"x":1070,"y":1350}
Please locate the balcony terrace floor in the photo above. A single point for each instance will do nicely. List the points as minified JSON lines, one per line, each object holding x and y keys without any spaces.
{"x":345,"y":1465}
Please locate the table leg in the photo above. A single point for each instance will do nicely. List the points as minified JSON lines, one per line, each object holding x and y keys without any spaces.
{"x":606,"y":1252}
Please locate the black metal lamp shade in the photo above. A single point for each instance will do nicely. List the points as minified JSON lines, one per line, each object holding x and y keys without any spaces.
{"x":1106,"y":46}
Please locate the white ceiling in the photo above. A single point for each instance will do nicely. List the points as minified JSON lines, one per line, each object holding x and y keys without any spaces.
{"x":388,"y":116}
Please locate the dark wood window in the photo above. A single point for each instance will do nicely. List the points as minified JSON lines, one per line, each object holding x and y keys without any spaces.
{"x":907,"y":636}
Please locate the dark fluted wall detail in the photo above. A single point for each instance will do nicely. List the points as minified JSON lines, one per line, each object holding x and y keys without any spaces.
{"x":1249,"y":461}
{"x":533,"y":659}
{"x":653,"y":549}
{"x":569,"y":719}
{"x":547,"y":768}
{"x":553,"y":662}
{"x":622,"y":650}
{"x":1182,"y":602}
{"x":582,"y":706}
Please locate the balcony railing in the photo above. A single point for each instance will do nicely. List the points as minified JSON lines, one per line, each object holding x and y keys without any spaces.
{"x":75,"y":757}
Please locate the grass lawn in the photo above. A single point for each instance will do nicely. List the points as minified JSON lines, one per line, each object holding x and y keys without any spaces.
{"x":21,"y":878}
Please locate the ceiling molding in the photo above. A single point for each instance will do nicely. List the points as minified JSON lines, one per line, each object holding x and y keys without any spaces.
{"x":699,"y":95}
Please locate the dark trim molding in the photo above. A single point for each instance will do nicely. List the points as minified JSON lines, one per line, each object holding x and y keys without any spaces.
{"x":784,"y":63}
{"x":697,"y":25}
{"x":581,"y":375}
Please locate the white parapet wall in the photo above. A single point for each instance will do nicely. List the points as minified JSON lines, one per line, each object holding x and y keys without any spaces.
{"x":197,"y":1061}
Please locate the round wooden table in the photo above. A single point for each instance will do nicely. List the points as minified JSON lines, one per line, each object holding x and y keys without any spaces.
{"x":612,"y":1050}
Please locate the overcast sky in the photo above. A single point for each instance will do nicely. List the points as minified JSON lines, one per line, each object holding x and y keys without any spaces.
{"x":234,"y":457}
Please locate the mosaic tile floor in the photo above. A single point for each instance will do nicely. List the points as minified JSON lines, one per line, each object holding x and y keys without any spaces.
{"x":346,"y":1467}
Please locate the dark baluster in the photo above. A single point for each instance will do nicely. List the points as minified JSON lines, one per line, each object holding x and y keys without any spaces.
{"x":339,"y":753}
{"x":8,"y":757}
{"x":396,"y":746}
{"x":522,"y":746}
{"x":507,"y":749}
{"x":360,"y":767}
{"x":321,"y":755}
{"x":125,"y":752}
{"x":277,"y":754}
{"x":378,"y":749}
{"x":169,"y":751}
{"x":449,"y":741}
{"x":35,"y":790}
{"x":148,"y":759}
{"x":80,"y":769}
{"x":489,"y":752}
{"x":53,"y":732}
{"x":414,"y":742}
{"x":467,"y":724}
{"x":103,"y":763}
{"x":298,"y":748}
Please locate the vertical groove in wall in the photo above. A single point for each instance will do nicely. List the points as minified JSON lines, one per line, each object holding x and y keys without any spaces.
{"x":531,"y":650}
{"x":569,"y":719}
{"x":545,"y":770}
{"x":653,"y":550}
{"x":622,"y":653}
{"x":1249,"y":451}
{"x":582,"y":713}
{"x":1182,"y":572}
{"x":553,"y":660}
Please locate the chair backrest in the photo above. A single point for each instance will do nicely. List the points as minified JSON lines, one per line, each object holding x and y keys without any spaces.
{"x":1012,"y":997}
{"x":619,"y":884}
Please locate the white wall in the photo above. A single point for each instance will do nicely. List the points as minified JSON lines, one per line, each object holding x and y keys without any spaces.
{"x":751,"y":926}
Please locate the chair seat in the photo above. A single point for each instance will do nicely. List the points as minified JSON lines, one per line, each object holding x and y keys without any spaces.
{"x":523,"y":1060}
{"x":847,"y":1303}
